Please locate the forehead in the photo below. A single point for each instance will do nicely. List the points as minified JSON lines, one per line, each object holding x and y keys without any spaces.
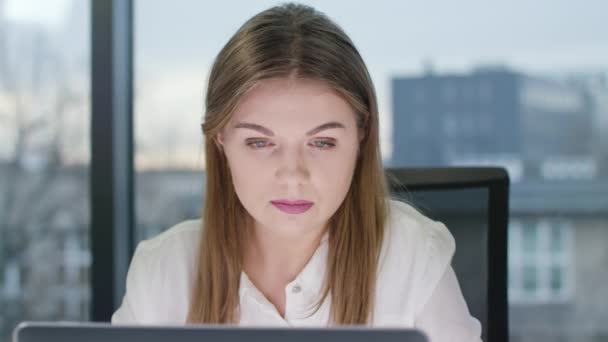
{"x":294,"y":102}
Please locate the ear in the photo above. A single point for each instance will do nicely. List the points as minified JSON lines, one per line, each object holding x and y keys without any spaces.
{"x":361,"y":132}
{"x":219,"y":141}
{"x":361,"y":136}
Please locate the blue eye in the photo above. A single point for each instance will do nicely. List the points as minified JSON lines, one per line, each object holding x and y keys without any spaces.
{"x":323,"y":145}
{"x":257,"y":144}
{"x":260,"y":144}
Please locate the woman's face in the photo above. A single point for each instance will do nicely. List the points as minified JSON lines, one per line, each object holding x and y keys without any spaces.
{"x":291,"y":141}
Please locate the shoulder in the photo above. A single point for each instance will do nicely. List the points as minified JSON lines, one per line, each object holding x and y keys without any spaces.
{"x":416,"y":252}
{"x":169,"y":255}
{"x":408,"y":227}
{"x":172,"y":252}
{"x":182,"y":235}
{"x":160,"y":275}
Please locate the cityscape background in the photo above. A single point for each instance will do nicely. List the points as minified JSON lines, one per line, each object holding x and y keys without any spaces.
{"x":522,"y":85}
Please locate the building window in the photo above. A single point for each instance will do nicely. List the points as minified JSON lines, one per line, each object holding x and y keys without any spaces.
{"x":450,"y":126}
{"x":540,"y":255}
{"x":419,"y":95}
{"x":420,"y":124}
{"x":485,"y":91}
{"x":449,"y":92}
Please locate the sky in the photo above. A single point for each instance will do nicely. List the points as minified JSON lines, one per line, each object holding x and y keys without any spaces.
{"x":50,"y":14}
{"x":533,"y":34}
{"x":176,"y":41}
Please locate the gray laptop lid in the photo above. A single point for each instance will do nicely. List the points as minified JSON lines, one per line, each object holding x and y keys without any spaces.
{"x":103,"y":332}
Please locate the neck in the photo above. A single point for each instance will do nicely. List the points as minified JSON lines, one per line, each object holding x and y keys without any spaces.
{"x":277,"y":257}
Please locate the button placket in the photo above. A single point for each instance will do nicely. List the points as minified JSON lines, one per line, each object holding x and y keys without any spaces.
{"x":294,"y":300}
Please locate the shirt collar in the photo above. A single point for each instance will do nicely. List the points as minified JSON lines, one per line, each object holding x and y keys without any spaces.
{"x":310,"y":279}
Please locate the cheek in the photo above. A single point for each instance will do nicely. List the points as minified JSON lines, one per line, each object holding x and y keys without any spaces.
{"x":336,"y":173}
{"x":249,"y":177}
{"x":243,"y":163}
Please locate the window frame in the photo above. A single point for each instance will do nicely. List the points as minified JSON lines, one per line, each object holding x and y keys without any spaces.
{"x":111,"y":176}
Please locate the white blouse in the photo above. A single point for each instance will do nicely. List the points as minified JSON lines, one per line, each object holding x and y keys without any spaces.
{"x":416,"y":285}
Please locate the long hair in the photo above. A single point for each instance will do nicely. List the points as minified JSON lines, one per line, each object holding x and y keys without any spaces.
{"x":291,"y":40}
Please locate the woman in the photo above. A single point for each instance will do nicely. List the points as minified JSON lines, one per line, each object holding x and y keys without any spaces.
{"x":298,"y":228}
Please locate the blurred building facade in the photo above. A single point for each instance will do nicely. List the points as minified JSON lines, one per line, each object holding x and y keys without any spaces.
{"x":537,"y":128}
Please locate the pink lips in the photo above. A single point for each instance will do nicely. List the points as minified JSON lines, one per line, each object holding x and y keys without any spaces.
{"x":292,"y":207}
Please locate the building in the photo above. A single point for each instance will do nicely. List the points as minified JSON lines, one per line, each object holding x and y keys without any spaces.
{"x":557,"y":253}
{"x":535,"y":127}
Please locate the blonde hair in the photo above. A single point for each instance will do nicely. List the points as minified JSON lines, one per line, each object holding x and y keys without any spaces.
{"x":291,"y":40}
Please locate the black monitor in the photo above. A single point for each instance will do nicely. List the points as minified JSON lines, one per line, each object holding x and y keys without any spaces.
{"x":473,"y":204}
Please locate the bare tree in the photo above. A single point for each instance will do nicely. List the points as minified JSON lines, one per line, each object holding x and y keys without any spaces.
{"x":37,"y":84}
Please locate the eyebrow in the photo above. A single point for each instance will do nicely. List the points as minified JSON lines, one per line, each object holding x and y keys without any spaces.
{"x":270,"y":133}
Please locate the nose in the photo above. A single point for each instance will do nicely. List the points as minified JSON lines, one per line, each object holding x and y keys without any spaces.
{"x":292,"y":169}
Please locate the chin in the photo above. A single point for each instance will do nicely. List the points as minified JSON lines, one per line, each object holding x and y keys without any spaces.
{"x":288,"y":228}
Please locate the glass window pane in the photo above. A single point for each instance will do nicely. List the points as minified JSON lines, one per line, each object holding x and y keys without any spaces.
{"x":530,"y":280}
{"x":556,"y":279}
{"x":530,"y":239}
{"x":557,"y":236}
{"x":44,"y":161}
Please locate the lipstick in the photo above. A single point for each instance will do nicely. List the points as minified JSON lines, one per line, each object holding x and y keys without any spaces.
{"x":292,"y":207}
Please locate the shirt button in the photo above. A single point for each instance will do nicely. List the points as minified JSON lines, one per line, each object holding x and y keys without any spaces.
{"x":296,"y":288}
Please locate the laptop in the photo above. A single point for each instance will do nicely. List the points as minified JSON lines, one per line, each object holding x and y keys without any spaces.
{"x":105,"y":332}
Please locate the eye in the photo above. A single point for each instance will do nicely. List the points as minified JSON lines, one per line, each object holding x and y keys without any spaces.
{"x":258,"y":144}
{"x":323,"y":145}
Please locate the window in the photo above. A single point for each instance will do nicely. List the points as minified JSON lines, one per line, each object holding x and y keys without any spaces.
{"x":44,"y":162}
{"x":449,"y":92}
{"x":420,"y":125}
{"x":485,"y":91}
{"x":541,"y":261}
{"x":450,"y":126}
